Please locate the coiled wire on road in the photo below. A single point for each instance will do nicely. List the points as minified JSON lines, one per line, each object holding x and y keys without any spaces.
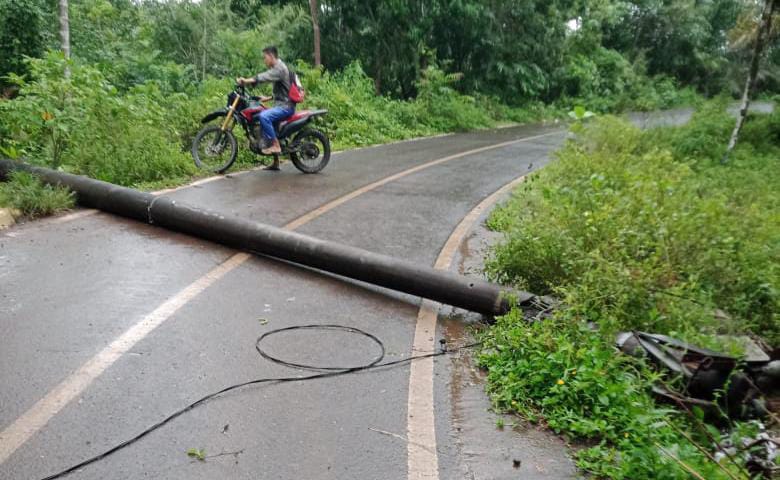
{"x":324,"y":372}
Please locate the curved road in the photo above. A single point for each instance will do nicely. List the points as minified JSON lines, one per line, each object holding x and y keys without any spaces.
{"x":108,"y":325}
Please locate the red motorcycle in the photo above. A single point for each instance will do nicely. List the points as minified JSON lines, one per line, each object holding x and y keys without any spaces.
{"x":215,"y":147}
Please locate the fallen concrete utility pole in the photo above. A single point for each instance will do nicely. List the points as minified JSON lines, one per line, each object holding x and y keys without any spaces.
{"x":442,"y":286}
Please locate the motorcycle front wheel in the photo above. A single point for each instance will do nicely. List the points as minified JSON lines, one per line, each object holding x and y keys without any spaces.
{"x":214,"y":150}
{"x":311,"y":151}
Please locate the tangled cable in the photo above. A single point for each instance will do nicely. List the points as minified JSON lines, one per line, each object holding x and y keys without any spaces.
{"x":324,"y":372}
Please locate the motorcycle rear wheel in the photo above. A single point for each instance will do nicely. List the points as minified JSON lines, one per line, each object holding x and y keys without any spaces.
{"x":311,"y":151}
{"x":214,"y":150}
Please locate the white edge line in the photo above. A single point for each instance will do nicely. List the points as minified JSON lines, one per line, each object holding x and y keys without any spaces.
{"x":37,"y":416}
{"x":422,"y":456}
{"x":72,"y":386}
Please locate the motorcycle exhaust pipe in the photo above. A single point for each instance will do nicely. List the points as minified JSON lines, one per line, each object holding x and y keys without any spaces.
{"x":442,"y":286}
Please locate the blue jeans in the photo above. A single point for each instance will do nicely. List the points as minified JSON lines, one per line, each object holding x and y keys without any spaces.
{"x":271,"y":116}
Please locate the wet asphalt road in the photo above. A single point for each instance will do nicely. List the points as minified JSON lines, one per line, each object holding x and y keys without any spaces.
{"x":67,"y":289}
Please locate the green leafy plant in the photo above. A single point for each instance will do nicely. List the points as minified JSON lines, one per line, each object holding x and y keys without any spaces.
{"x":85,"y":125}
{"x":634,"y":230}
{"x":644,"y":230}
{"x":564,"y":374}
{"x":580,"y":113}
{"x":21,"y":27}
{"x":26,"y":193}
{"x":197,"y":453}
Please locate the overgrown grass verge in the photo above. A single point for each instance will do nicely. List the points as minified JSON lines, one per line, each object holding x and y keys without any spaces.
{"x":141,"y":136}
{"x":635,"y":230}
{"x":26,"y":193}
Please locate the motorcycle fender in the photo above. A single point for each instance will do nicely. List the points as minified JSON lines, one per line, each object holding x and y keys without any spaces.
{"x":215,"y":114}
{"x":293,"y":127}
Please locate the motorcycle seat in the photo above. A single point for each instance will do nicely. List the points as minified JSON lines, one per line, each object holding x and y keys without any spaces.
{"x":295,"y":116}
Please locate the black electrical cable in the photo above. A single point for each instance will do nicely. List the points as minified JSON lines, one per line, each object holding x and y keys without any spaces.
{"x":325,"y":372}
{"x":317,"y":368}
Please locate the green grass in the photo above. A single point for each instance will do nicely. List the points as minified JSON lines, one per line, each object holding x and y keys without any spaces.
{"x":634,"y":230}
{"x":139,"y":136}
{"x":28,"y":194}
{"x":648,"y":230}
{"x":560,"y":373}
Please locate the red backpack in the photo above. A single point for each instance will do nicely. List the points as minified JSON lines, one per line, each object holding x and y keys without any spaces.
{"x":297,"y":94}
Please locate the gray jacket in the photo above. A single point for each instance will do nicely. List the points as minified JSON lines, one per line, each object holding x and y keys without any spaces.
{"x":279,"y":74}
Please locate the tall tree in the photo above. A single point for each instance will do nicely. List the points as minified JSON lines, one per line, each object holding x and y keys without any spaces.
{"x":685,"y":39}
{"x":750,"y":83}
{"x":316,"y":28}
{"x":21,"y":35}
{"x":65,"y":32}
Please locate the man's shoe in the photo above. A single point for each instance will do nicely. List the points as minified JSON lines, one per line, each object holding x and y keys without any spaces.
{"x":274,"y":148}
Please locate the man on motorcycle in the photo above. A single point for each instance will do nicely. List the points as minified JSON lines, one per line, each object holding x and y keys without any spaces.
{"x":279,"y":74}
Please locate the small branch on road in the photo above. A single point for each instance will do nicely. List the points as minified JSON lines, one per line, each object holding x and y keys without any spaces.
{"x":391,"y":434}
{"x":224,"y":453}
{"x":401,"y":437}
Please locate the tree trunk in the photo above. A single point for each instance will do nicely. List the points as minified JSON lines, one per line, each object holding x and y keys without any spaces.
{"x":750,"y":83}
{"x":316,"y":27}
{"x":204,"y":47}
{"x":65,"y":33}
{"x":378,"y":79}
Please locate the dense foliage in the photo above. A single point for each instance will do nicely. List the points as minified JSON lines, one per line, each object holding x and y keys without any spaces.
{"x":648,"y":230}
{"x":26,"y":193}
{"x":21,"y":27}
{"x":538,"y":50}
{"x":632,"y":229}
{"x":635,"y":230}
{"x":140,"y":136}
{"x":144,"y":72}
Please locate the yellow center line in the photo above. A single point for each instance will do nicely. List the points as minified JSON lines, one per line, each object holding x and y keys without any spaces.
{"x":37,"y":416}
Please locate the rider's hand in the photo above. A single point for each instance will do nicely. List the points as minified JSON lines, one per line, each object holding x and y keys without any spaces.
{"x":265,"y":98}
{"x":240,"y":81}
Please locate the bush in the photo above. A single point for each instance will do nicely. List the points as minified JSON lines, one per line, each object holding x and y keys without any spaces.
{"x":634,"y":230}
{"x":139,"y":132}
{"x":560,"y":372}
{"x":636,"y":236}
{"x":26,"y":193}
{"x":85,"y":125}
{"x":600,"y":78}
{"x":442,"y":108}
{"x":604,"y":81}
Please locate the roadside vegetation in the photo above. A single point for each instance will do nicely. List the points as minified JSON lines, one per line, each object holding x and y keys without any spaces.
{"x":630,"y":229}
{"x":635,"y":230}
{"x":141,"y":74}
{"x":26,"y":193}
